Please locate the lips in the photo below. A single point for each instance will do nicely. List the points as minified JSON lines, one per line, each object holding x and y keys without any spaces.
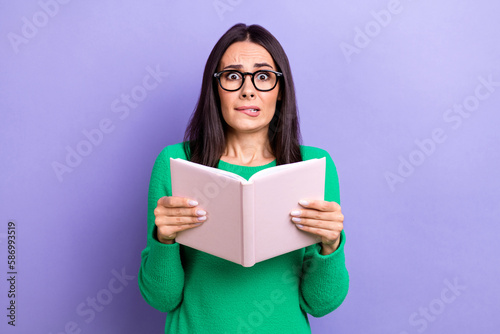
{"x":253,"y":111}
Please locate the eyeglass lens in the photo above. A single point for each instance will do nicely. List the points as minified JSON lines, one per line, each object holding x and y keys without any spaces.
{"x":263,"y":80}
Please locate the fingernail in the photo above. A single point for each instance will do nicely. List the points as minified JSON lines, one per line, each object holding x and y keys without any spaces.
{"x":299,"y":226}
{"x":303,"y":202}
{"x":193,"y":203}
{"x":201,"y":212}
{"x":202,"y":218}
{"x":296,"y":219}
{"x":295,"y":212}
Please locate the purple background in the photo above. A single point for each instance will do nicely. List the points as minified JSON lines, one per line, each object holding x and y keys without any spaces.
{"x":370,"y":88}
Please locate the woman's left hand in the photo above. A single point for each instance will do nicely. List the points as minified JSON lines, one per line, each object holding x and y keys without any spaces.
{"x":322,"y":218}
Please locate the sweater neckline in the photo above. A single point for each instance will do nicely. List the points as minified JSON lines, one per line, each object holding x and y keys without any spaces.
{"x":227,"y":164}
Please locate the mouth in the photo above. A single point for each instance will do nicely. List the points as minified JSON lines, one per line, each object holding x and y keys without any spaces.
{"x":250,"y":110}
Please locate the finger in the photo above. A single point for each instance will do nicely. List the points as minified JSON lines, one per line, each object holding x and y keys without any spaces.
{"x":184,"y":212}
{"x":178,"y":211}
{"x":321,"y":224}
{"x":327,"y":234}
{"x":320,"y":205}
{"x":166,"y":220}
{"x":319,"y":215}
{"x":175,"y":202}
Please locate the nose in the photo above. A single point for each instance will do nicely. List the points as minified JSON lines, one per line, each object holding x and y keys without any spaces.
{"x":248,"y":90}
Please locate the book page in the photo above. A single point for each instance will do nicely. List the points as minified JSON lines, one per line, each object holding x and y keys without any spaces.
{"x":277,"y":169}
{"x":220,"y":196}
{"x":276,"y":195}
{"x":210,"y":169}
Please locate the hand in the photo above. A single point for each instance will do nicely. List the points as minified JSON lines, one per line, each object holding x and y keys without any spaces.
{"x":322,"y":218}
{"x":175,"y":214}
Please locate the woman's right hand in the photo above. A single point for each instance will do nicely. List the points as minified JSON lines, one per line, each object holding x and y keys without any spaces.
{"x":175,"y":214}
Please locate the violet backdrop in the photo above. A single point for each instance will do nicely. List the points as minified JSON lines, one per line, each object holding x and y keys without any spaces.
{"x":404,"y":95}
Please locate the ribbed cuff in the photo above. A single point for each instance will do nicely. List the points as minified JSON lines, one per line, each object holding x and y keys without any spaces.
{"x":337,"y":255}
{"x":164,"y":261}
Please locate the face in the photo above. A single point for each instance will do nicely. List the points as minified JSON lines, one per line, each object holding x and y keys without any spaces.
{"x":248,"y":57}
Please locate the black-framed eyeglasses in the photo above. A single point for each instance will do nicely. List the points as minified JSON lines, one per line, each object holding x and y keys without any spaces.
{"x":263,"y":80}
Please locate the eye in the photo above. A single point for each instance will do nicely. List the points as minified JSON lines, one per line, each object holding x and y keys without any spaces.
{"x":232,"y":76}
{"x":263,"y":76}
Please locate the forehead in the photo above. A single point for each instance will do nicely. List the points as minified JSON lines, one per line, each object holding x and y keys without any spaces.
{"x":247,"y":54}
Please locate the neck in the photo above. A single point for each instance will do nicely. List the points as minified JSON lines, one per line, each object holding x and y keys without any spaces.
{"x":248,"y":148}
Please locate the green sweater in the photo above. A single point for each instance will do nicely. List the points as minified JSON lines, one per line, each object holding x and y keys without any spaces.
{"x":206,"y":294}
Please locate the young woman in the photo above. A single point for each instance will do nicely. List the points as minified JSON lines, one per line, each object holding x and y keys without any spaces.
{"x":246,"y":120}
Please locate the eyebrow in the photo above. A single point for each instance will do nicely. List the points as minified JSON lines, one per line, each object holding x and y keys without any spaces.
{"x":239,"y":66}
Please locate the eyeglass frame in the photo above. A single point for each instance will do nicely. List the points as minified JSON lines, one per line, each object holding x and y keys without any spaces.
{"x":244,"y":75}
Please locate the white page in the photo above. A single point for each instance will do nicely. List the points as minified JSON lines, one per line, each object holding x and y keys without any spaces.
{"x":212,"y":169}
{"x":276,"y":169}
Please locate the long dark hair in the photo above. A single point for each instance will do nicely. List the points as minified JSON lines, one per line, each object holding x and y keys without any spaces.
{"x":204,"y":139}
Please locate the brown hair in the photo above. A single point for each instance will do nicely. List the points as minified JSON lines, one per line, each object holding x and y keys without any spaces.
{"x":204,"y":138}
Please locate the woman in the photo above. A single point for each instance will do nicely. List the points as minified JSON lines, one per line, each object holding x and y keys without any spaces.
{"x":245,"y":121}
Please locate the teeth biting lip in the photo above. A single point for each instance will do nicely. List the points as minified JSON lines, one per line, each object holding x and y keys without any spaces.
{"x":251,"y":109}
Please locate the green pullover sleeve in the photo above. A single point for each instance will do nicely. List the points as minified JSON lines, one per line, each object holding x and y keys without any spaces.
{"x":325,"y":280}
{"x":161,"y":275}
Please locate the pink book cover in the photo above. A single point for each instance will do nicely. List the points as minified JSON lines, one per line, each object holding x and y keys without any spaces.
{"x":248,"y":221}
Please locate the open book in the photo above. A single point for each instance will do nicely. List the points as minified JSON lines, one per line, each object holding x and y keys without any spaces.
{"x":248,"y":221}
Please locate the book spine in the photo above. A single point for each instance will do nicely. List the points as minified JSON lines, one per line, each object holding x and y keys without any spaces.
{"x":248,"y":221}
